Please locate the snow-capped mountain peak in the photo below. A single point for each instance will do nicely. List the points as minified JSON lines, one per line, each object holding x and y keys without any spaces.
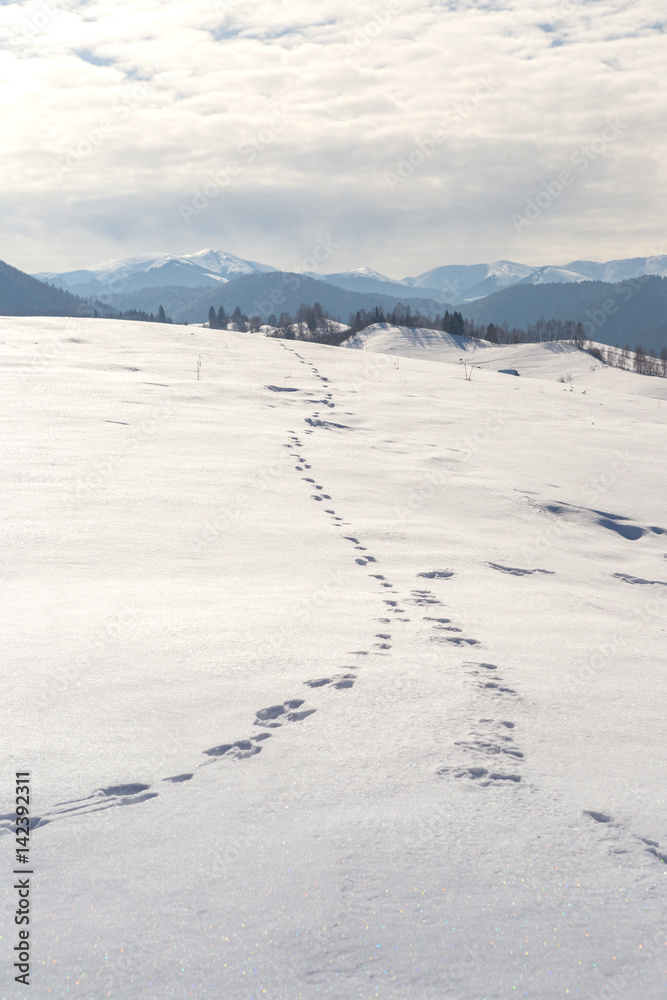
{"x":205,"y":267}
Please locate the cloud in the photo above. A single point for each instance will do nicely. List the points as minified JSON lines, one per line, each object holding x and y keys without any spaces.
{"x":121,"y":113}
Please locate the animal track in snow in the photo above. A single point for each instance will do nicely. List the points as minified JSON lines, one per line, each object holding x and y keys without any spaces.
{"x":613,"y":522}
{"x":326,"y":424}
{"x":275,"y":715}
{"x":650,"y":846}
{"x":479,"y":774}
{"x":437,"y":574}
{"x":487,"y":748}
{"x":424,"y":598}
{"x":239,"y":750}
{"x":626,"y":578}
{"x":496,"y":688}
{"x":520,"y":572}
{"x":111,"y":797}
{"x":597,"y":816}
{"x":340,"y":682}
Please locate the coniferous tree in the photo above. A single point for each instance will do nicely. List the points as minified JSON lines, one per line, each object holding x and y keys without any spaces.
{"x":457,"y":328}
{"x":212,"y":320}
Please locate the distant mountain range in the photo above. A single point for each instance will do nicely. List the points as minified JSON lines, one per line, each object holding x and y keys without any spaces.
{"x":207,"y":268}
{"x":629,"y":307}
{"x":266,"y":294}
{"x":627,"y":312}
{"x":451,"y":283}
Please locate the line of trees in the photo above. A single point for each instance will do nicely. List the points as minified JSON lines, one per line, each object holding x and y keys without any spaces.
{"x":309,"y":323}
{"x":640,"y":361}
{"x":402,"y":315}
{"x":544,"y":331}
{"x":220,"y":320}
{"x":144,"y":317}
{"x":313,"y":323}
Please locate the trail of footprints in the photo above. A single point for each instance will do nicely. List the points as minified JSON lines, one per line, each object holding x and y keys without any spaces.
{"x":267,"y":720}
{"x":491,"y":742}
{"x":489,"y":756}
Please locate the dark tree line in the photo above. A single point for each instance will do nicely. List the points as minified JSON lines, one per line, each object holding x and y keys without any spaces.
{"x":402,"y":315}
{"x":309,"y":323}
{"x":221,"y":321}
{"x":144,"y":317}
{"x":543,"y":331}
{"x":313,"y":323}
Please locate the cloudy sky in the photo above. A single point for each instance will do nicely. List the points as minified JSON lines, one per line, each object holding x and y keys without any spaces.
{"x":402,"y":133}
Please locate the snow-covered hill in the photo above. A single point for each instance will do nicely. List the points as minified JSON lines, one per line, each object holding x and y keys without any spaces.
{"x":553,"y":361}
{"x":347,"y":672}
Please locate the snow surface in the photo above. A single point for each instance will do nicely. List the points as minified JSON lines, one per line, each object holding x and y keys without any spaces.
{"x":359,"y":272}
{"x":560,"y":361}
{"x":475,"y":807}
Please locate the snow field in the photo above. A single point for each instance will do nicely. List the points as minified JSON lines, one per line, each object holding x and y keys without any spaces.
{"x":177,"y":584}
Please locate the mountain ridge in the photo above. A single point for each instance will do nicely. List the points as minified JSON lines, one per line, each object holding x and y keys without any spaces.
{"x":452,"y":283}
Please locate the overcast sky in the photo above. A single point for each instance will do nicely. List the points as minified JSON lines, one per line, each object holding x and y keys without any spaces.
{"x":403,"y":135}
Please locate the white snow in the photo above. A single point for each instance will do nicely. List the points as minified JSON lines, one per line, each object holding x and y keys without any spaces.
{"x":360,"y":272}
{"x":169,"y":573}
{"x":553,"y":361}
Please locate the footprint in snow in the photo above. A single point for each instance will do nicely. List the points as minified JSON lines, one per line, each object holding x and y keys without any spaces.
{"x":520,"y":572}
{"x":340,"y":683}
{"x":481,"y":775}
{"x":492,"y":687}
{"x":239,"y":750}
{"x":488,"y":748}
{"x":637,"y":580}
{"x":275,"y":715}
